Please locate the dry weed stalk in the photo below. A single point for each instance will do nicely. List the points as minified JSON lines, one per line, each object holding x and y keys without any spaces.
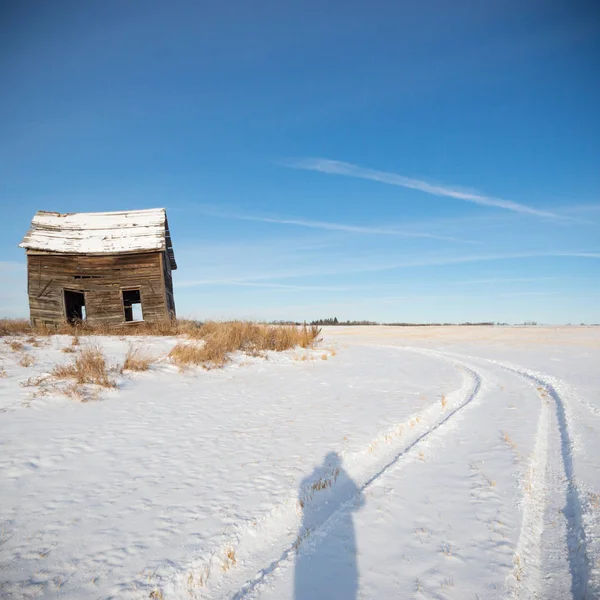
{"x":156,"y":594}
{"x":76,"y":391}
{"x":508,"y":441}
{"x":135,"y":360}
{"x":27,"y":360}
{"x":33,"y":341}
{"x":89,"y":367}
{"x":230,"y":559}
{"x":3,"y":373}
{"x":444,"y":401}
{"x":15,"y":345}
{"x":34,"y":381}
{"x":73,"y":347}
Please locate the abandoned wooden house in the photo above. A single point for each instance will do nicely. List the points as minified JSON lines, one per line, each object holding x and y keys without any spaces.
{"x":111,"y":268}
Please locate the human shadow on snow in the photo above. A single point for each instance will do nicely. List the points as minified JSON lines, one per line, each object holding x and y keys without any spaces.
{"x":326,"y":561}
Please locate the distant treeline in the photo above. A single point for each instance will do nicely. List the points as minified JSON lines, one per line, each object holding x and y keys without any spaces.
{"x":483,"y":323}
{"x":336,"y":321}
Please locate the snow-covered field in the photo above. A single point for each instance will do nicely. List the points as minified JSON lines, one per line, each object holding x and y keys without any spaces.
{"x":388,"y":463}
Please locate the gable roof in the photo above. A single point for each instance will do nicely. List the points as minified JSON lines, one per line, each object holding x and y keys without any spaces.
{"x":121,"y":232}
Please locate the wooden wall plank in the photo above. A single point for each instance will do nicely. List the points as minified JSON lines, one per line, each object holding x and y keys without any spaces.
{"x":101,"y":279}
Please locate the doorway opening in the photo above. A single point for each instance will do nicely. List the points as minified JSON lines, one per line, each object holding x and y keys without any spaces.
{"x":132,"y":305}
{"x":74,"y":306}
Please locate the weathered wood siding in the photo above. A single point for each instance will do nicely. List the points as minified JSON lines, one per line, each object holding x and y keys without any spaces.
{"x":101,"y":278}
{"x":168,"y":278}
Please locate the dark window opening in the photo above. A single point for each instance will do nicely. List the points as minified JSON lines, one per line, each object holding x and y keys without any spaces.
{"x":74,"y":306}
{"x":87,"y":276}
{"x":132,"y":305}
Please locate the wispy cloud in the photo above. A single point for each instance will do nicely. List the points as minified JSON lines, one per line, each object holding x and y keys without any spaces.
{"x":258,"y":284}
{"x":336,"y":226}
{"x":502,"y":280}
{"x":256,"y":278}
{"x":334,"y":167}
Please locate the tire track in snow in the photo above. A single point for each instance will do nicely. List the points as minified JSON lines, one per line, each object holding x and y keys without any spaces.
{"x":252,"y":586}
{"x":527,"y":577}
{"x":579,"y":564}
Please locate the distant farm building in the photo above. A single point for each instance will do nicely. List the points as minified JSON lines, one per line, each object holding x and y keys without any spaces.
{"x":110,"y":268}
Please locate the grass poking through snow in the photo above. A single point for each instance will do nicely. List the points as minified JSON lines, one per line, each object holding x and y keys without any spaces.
{"x":135,"y":360}
{"x":221,"y":339}
{"x":26,"y":360}
{"x":88,"y":367}
{"x":15,"y":345}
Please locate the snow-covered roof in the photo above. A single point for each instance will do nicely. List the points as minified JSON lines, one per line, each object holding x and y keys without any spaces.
{"x":101,"y":233}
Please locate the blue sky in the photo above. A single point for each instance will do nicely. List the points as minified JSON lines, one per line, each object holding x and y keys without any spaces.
{"x":395,"y":161}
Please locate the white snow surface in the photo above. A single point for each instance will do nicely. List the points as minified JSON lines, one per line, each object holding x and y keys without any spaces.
{"x":97,"y":233}
{"x":386,"y":463}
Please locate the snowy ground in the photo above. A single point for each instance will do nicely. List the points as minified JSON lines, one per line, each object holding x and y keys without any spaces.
{"x":389,"y":463}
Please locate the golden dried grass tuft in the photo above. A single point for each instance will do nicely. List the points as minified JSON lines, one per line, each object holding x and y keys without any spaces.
{"x":75,"y":391}
{"x":221,"y":339}
{"x":161,"y":328}
{"x":3,"y":373}
{"x":229,"y":560}
{"x":34,"y":381}
{"x":26,"y":360}
{"x":15,"y":345}
{"x":14,"y":327}
{"x":444,"y":401}
{"x":89,"y":367}
{"x":33,"y":341}
{"x":186,"y":354}
{"x":136,"y":360}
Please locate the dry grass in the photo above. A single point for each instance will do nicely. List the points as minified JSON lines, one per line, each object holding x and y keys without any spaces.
{"x":14,"y":327}
{"x":235,"y":335}
{"x":186,"y":354}
{"x":167,"y":327}
{"x":15,"y":345}
{"x":135,"y":360}
{"x":156,"y":594}
{"x":89,"y":367}
{"x":27,"y":360}
{"x":221,"y":339}
{"x":75,"y":391}
{"x":444,"y":401}
{"x":73,"y":347}
{"x":229,"y":560}
{"x":508,"y":440}
{"x":34,"y":381}
{"x":3,"y":373}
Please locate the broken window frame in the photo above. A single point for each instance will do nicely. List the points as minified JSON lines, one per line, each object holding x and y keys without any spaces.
{"x":130,"y":305}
